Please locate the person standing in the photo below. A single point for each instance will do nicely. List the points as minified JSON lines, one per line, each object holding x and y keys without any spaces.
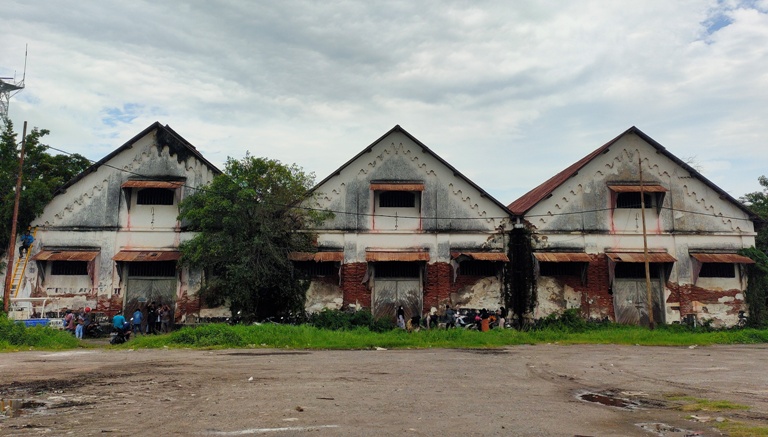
{"x":450,"y":317}
{"x":400,"y":317}
{"x":137,"y":318}
{"x":26,"y":242}
{"x":69,"y":321}
{"x":165,"y":319}
{"x":151,"y":318}
{"x":80,"y":326}
{"x":502,"y":317}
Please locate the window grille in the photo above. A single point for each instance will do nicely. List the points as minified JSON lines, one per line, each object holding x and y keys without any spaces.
{"x":478,"y":268}
{"x":397,"y":199}
{"x":632,"y":200}
{"x":394,"y":269}
{"x":69,"y":268}
{"x":717,"y":270}
{"x":152,"y":269}
{"x":637,"y":270}
{"x":155,"y":196}
{"x":311,"y":268}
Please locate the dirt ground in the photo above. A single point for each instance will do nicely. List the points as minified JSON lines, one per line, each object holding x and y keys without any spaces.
{"x":517,"y":391}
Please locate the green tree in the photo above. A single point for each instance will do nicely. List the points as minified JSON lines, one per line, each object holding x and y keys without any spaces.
{"x":43,"y":173}
{"x":758,"y":202}
{"x":248,"y":223}
{"x":757,"y":274}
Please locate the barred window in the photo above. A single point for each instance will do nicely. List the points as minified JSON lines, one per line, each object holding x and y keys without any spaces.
{"x":397,"y":199}
{"x":152,"y":269}
{"x":717,"y":270}
{"x":547,"y":268}
{"x":632,"y":200}
{"x":311,"y":268}
{"x":394,"y":269}
{"x":155,"y":196}
{"x":478,"y":268}
{"x":69,"y":268}
{"x":637,"y":270}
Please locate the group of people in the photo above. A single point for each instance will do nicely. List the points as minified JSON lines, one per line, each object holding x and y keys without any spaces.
{"x":157,"y":320}
{"x":79,"y":322}
{"x":483,"y":320}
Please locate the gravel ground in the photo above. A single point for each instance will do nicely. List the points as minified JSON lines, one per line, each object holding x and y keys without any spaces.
{"x":541,"y":390}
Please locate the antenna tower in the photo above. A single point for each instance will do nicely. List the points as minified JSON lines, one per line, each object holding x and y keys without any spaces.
{"x":9,"y":87}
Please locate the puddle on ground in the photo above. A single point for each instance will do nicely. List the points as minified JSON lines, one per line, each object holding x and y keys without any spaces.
{"x":664,"y":430}
{"x":608,"y":400}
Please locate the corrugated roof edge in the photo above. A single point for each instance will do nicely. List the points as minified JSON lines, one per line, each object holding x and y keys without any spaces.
{"x":154,"y":126}
{"x":528,"y":200}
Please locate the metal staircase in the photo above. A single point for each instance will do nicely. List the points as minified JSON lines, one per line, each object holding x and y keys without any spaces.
{"x":19,"y":268}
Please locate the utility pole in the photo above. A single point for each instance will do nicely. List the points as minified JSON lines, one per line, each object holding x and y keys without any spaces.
{"x":12,"y":244}
{"x":649,"y":293}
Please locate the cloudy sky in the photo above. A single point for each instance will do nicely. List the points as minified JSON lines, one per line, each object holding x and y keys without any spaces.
{"x":510,"y":93}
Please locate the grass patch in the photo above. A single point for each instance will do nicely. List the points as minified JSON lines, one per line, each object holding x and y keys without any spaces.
{"x":16,"y":336}
{"x":692,"y":404}
{"x":310,"y":337}
{"x":740,"y":429}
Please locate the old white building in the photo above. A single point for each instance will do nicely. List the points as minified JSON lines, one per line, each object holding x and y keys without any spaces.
{"x":409,"y":229}
{"x":587,"y":228}
{"x":109,"y":239}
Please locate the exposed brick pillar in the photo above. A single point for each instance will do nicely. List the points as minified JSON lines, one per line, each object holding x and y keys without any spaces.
{"x":596,"y":301}
{"x":355,"y":291}
{"x":438,"y":286}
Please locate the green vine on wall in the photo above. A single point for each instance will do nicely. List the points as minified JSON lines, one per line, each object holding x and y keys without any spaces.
{"x":757,"y":287}
{"x":519,"y":279}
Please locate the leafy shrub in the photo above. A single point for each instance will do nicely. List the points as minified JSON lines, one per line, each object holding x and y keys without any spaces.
{"x":13,"y":333}
{"x":569,"y":321}
{"x":337,"y":320}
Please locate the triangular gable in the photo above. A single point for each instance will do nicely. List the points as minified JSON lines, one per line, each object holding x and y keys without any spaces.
{"x":165,"y":137}
{"x":527,"y":201}
{"x":424,"y":148}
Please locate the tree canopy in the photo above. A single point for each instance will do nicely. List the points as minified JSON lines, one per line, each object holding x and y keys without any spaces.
{"x":43,"y":173}
{"x":757,"y":282}
{"x":248,"y":222}
{"x":758,"y":202}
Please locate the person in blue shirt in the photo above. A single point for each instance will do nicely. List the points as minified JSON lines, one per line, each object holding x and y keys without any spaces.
{"x":137,"y":318}
{"x":119,"y":323}
{"x":26,"y":242}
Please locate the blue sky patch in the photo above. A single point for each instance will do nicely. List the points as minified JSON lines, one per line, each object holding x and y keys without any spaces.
{"x":113,"y":116}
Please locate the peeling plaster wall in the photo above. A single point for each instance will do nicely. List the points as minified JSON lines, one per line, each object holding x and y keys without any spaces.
{"x":453,"y":215}
{"x":448,"y":202}
{"x":579,"y":216}
{"x":554,"y":297}
{"x":321,"y":295}
{"x":484,"y":293}
{"x":93,"y":213}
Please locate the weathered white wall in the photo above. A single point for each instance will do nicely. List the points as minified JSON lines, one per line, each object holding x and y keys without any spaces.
{"x":694,"y":217}
{"x":93,"y":213}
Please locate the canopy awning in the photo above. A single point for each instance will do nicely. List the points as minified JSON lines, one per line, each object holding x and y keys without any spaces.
{"x":397,"y":186}
{"x":396,"y":256}
{"x":316,"y":256}
{"x":562,"y":257}
{"x":482,"y":256}
{"x":652,"y":188}
{"x":147,"y":255}
{"x":171,"y":185}
{"x":730,"y":258}
{"x":66,"y":255}
{"x":639,"y":257}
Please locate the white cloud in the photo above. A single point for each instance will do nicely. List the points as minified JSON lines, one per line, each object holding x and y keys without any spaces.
{"x":510,"y":94}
